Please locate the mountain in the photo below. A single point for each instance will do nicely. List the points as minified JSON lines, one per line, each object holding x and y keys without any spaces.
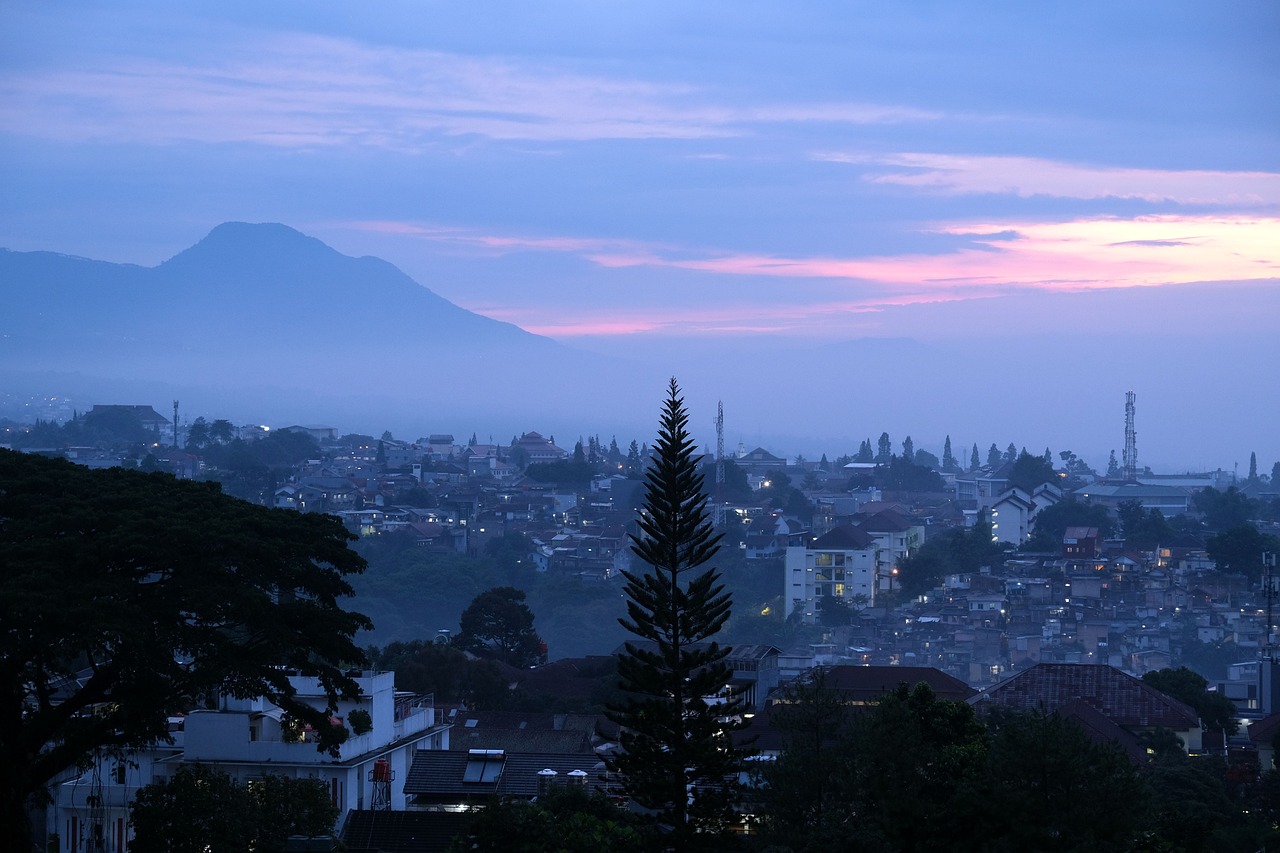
{"x":261,"y":321}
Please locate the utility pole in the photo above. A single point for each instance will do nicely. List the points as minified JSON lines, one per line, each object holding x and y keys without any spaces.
{"x":175,"y":424}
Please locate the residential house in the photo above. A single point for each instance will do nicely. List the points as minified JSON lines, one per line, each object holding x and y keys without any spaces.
{"x":250,"y":738}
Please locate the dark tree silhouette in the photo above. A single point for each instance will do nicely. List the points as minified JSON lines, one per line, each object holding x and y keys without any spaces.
{"x":497,"y":623}
{"x":126,"y":596}
{"x":676,"y":755}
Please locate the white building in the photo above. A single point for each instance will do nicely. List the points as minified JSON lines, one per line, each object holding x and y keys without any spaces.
{"x":840,"y":564}
{"x":248,"y":739}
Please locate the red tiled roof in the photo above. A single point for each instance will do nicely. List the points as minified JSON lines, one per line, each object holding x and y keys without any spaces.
{"x":868,"y":683}
{"x":1126,"y":700}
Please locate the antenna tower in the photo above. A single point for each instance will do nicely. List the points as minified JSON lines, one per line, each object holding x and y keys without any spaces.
{"x":719,"y":515}
{"x":175,"y":424}
{"x":1130,"y":438}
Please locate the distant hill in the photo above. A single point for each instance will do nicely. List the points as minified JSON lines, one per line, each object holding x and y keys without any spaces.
{"x":265,"y":320}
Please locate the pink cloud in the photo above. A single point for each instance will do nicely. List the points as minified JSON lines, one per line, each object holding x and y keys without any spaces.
{"x":1008,"y":256}
{"x":959,"y":174}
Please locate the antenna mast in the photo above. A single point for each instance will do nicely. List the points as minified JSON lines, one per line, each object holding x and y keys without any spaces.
{"x":175,"y":424}
{"x":1130,"y":438}
{"x":719,"y":514}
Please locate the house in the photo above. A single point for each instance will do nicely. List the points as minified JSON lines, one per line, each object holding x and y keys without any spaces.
{"x":319,"y":432}
{"x":250,"y":738}
{"x":769,"y":536}
{"x":151,"y":420}
{"x":453,"y":780}
{"x":1128,"y":702}
{"x":1081,"y":543}
{"x":1014,"y":511}
{"x":865,"y":685}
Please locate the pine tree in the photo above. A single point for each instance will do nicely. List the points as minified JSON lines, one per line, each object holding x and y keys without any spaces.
{"x":908,"y":449}
{"x":993,"y":456}
{"x":1253,"y":467}
{"x":1011,"y":453}
{"x":1113,"y":467}
{"x":949,"y":463}
{"x":974,"y":461}
{"x":884,"y":449}
{"x":676,"y":758}
{"x":865,"y":453}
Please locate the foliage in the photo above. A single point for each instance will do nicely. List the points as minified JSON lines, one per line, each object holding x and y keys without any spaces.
{"x":564,"y":820}
{"x":1224,"y":510}
{"x":361,"y":721}
{"x":676,"y":758}
{"x":1047,"y":786}
{"x":180,"y":592}
{"x":202,"y":810}
{"x":785,"y":497}
{"x":1029,"y":472}
{"x":1143,"y":528}
{"x":571,"y":472}
{"x":1216,"y":711}
{"x":499,"y":624}
{"x":1239,"y":550}
{"x":1052,"y":523}
{"x":804,"y":798}
{"x":954,"y":551}
{"x":902,"y":475}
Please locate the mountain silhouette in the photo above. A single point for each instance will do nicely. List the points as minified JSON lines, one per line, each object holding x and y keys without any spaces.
{"x":260,"y":314}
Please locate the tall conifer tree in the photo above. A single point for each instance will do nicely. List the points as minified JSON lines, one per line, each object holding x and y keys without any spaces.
{"x":676,"y":756}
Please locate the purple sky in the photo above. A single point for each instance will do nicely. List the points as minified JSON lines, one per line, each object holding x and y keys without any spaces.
{"x":712,"y":177}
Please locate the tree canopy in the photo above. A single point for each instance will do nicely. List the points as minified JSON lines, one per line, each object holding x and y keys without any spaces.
{"x":202,"y":810}
{"x":499,"y":624}
{"x":127,"y":597}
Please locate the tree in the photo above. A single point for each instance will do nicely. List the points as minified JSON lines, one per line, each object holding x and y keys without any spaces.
{"x":499,"y":624}
{"x":973,"y":458}
{"x":1224,"y":510}
{"x":197,"y":434}
{"x":1275,"y":474}
{"x":908,"y":449}
{"x":1010,"y":453}
{"x":1143,"y":528}
{"x":1050,"y":787}
{"x":1029,"y":471}
{"x":676,"y":756}
{"x":564,"y":819}
{"x":1113,"y":467}
{"x":884,"y":449}
{"x":1239,"y":550}
{"x":1216,"y":711}
{"x":865,"y":453}
{"x":949,"y":463}
{"x":202,"y":810}
{"x":222,"y":431}
{"x":1253,"y":467}
{"x":913,"y":758}
{"x":126,"y":597}
{"x":993,"y":456}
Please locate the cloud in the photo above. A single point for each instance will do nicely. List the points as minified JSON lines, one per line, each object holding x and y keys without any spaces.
{"x":1006,"y":257}
{"x":961,"y":174}
{"x":312,"y":91}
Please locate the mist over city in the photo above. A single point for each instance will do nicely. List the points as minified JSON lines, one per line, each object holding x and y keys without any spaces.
{"x":426,"y":398}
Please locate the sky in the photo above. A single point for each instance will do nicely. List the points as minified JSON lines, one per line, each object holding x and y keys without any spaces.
{"x":722,"y":180}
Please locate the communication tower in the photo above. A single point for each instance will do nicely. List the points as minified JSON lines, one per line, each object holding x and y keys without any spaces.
{"x":1130,"y":470}
{"x":719,"y":513}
